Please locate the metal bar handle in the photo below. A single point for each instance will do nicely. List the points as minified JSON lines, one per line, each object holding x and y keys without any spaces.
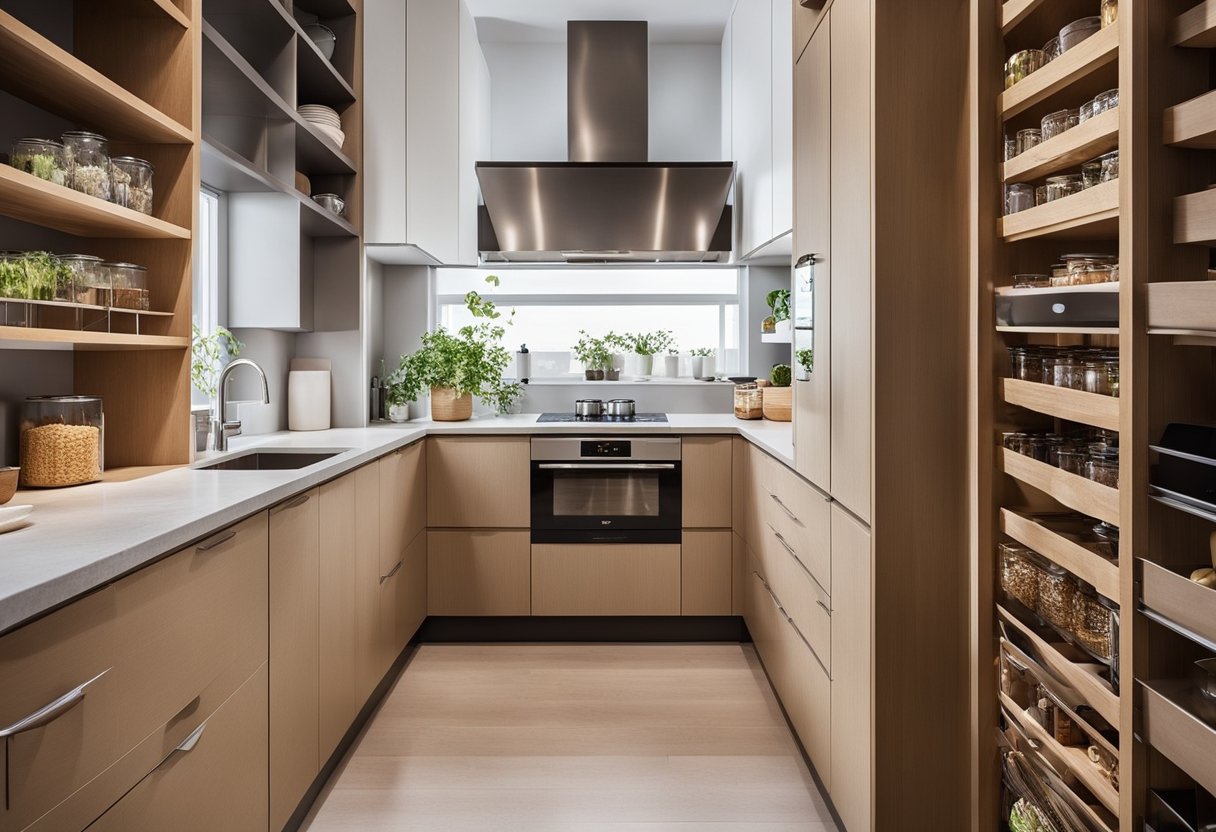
{"x":785,"y":508}
{"x":814,"y":654}
{"x":790,"y":549}
{"x":773,"y":597}
{"x":296,"y":503}
{"x":215,"y":542}
{"x":592,"y":466}
{"x":52,"y":711}
{"x":184,"y":747}
{"x":393,"y":571}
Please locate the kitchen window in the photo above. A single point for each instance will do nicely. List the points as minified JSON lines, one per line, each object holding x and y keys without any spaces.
{"x":700,"y":306}
{"x":209,"y":276}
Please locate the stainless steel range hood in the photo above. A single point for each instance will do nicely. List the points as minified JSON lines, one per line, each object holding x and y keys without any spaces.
{"x":608,"y":203}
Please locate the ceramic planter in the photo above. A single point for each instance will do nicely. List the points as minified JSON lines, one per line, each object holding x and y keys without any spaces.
{"x":593,"y":375}
{"x":645,"y":364}
{"x":446,"y":406}
{"x":399,"y":413}
{"x":698,"y":365}
{"x":671,"y":366}
{"x":709,"y":366}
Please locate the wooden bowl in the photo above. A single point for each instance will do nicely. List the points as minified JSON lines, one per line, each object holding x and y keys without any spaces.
{"x":778,"y":403}
{"x":8,"y":484}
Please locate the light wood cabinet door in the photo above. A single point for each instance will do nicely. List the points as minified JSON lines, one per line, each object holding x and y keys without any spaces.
{"x":806,"y":18}
{"x":369,"y":650}
{"x":599,"y":579}
{"x":478,"y":482}
{"x":813,"y":235}
{"x":851,"y":280}
{"x":851,"y":784}
{"x":66,"y":651}
{"x":741,"y":486}
{"x":295,"y":711}
{"x":402,"y":501}
{"x":216,"y":779}
{"x":706,"y":470}
{"x":478,"y":572}
{"x":706,"y":572}
{"x":338,"y":676}
{"x":403,"y":600}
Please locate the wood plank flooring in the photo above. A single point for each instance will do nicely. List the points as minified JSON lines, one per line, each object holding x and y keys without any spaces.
{"x":576,"y":738}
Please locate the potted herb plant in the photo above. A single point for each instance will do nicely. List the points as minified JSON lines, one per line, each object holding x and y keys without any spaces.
{"x":648,"y":344}
{"x":455,"y":367}
{"x":593,"y":354}
{"x":778,"y":398}
{"x":704,"y":362}
{"x":209,"y":353}
{"x":617,"y":346}
{"x":806,"y":363}
{"x":671,"y":363}
{"x":778,"y":302}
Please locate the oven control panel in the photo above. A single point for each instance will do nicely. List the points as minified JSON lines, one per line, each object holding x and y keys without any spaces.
{"x":607,"y":449}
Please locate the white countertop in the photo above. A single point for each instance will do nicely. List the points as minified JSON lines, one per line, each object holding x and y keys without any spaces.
{"x":81,"y":538}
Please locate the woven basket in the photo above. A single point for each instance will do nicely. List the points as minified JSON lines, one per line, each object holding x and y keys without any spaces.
{"x":778,"y":403}
{"x":446,"y":406}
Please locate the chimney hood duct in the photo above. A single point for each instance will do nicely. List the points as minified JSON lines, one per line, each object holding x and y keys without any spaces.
{"x":607,"y":203}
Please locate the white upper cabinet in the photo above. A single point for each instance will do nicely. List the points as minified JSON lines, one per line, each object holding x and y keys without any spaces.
{"x":427,"y":125}
{"x":761,"y":119}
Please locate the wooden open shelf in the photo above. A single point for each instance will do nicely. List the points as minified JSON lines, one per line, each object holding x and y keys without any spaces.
{"x":174,"y":13}
{"x":1074,"y":757}
{"x":1184,"y":308}
{"x":1064,"y":403}
{"x":1195,"y":218}
{"x":1192,"y":123}
{"x":1091,"y":214}
{"x":1089,"y":567}
{"x":27,"y":337}
{"x":1070,"y":149}
{"x":1176,"y":597}
{"x":36,"y":70}
{"x":1074,"y":65}
{"x":1095,"y":690}
{"x":1014,"y":12}
{"x":1167,"y":725}
{"x":1061,"y":330}
{"x":1196,"y":27}
{"x":1075,"y":492}
{"x":27,"y":198}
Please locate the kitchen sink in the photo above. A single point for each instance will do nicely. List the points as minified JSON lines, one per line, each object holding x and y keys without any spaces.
{"x":268,"y":459}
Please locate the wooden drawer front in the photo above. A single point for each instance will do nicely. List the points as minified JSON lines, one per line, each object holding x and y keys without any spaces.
{"x":216,"y":779}
{"x":741,"y":493}
{"x":369,"y":650}
{"x":478,"y":572}
{"x":806,"y":537}
{"x":402,"y":501}
{"x":197,"y":618}
{"x":808,"y":607}
{"x":605,"y":580}
{"x":1179,"y":599}
{"x":1188,"y":741}
{"x":706,"y":472}
{"x":403,"y":600}
{"x":806,"y":692}
{"x":478,"y":482}
{"x":39,"y":663}
{"x":705,"y":572}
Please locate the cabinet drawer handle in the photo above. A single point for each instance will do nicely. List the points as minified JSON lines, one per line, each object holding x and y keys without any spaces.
{"x":785,"y":508}
{"x":52,"y":711}
{"x":215,"y":542}
{"x":772,"y":597}
{"x":785,"y":544}
{"x":393,"y":571}
{"x":184,"y":747}
{"x":823,"y":606}
{"x":296,"y":503}
{"x":814,"y":654}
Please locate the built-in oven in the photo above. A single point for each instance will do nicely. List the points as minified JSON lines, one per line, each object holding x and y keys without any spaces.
{"x":606,"y":490}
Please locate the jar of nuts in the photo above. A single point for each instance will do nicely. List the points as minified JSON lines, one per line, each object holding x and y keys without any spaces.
{"x":1057,"y":596}
{"x":61,"y":439}
{"x":1020,"y":568}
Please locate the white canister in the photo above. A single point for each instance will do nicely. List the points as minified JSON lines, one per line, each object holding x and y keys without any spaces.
{"x":308,"y":400}
{"x":698,"y":364}
{"x":709,"y":366}
{"x":671,"y":366}
{"x":645,"y":364}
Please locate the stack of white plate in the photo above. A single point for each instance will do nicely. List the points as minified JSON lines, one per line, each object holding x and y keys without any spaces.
{"x":325,"y":119}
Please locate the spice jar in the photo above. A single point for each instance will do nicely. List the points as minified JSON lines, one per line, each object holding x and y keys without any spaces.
{"x":84,"y":274}
{"x":1057,"y":595}
{"x":1067,"y":184}
{"x":87,"y":157}
{"x":131,"y":183}
{"x":1010,"y":148}
{"x":1094,"y":622}
{"x":749,"y":401}
{"x":1026,"y":363}
{"x":41,"y":158}
{"x":129,"y":283}
{"x":1109,"y":12}
{"x":61,"y":439}
{"x":1103,"y":466}
{"x":1069,"y":373}
{"x":1020,"y":569}
{"x":1018,"y":197}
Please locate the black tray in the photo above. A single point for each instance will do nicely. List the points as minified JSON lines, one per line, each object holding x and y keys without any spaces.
{"x":1185,"y":473}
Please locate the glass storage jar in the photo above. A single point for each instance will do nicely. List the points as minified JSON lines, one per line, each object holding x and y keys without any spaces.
{"x":84,"y":274}
{"x":1106,"y":540}
{"x":749,"y":401}
{"x":1091,"y":172}
{"x":1064,"y":185}
{"x":1062,"y":726}
{"x":1021,"y":64}
{"x":1028,"y":139}
{"x":40,"y":157}
{"x":1110,"y":166}
{"x":1057,"y":595}
{"x":1094,"y":622}
{"x":1051,"y":50}
{"x":13,"y":282}
{"x":62,"y":441}
{"x":1053,"y":124}
{"x":131,"y":183}
{"x":1026,"y":363}
{"x":1098,"y":374}
{"x":1010,"y":148}
{"x":1104,"y":101}
{"x":130,"y":285}
{"x":1018,"y":197}
{"x":1072,"y":460}
{"x":1040,"y":194}
{"x":1020,"y":569}
{"x":1103,"y":466}
{"x":1086,"y":112}
{"x":1109,"y":12}
{"x":1069,"y":373}
{"x":1031,"y":281}
{"x":1078,"y":31}
{"x":87,"y":156}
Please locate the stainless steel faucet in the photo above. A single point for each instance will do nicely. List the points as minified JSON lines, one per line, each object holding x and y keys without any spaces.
{"x":220,"y":428}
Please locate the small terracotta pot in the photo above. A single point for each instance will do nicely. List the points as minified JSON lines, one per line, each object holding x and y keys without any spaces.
{"x":8,"y":483}
{"x":446,"y":406}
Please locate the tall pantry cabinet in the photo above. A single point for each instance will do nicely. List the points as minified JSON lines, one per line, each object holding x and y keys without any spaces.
{"x":879,"y":422}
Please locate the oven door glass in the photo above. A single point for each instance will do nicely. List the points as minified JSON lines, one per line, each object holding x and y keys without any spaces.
{"x":610,"y":494}
{"x":609,"y":503}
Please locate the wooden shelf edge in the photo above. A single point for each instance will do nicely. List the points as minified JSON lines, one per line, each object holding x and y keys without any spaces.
{"x":1082,"y":60}
{"x":1192,"y":123}
{"x":1075,"y":758}
{"x":1089,"y":567}
{"x":25,"y":197}
{"x":171,"y":9}
{"x":1063,"y":403}
{"x":87,"y":340}
{"x":1014,"y":12}
{"x":1061,"y":330}
{"x":1195,"y":218}
{"x":1181,"y":308}
{"x":1097,"y":693}
{"x":39,"y":57}
{"x":1070,"y":149}
{"x":1086,"y":211}
{"x":1075,"y":492}
{"x":1196,"y":27}
{"x":1184,"y":738}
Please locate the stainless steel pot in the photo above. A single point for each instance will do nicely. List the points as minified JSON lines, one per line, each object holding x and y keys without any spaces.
{"x":621,"y":407}
{"x":589,"y":407}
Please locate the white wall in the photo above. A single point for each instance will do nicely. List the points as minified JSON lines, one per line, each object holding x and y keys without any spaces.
{"x":528,"y":101}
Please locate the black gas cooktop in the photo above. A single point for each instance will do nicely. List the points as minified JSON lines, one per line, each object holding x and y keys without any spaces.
{"x":603,"y":420}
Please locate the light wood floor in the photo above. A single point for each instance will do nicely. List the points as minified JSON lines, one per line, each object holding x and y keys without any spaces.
{"x":576,"y":738}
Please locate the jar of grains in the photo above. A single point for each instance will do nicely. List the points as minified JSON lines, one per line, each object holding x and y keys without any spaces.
{"x":1020,"y":569}
{"x":61,"y":440}
{"x":1057,"y":596}
{"x":87,"y":158}
{"x":749,"y":401}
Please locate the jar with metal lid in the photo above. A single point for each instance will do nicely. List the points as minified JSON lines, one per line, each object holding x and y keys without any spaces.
{"x":1064,"y":185}
{"x":39,"y":157}
{"x":1027,"y":363}
{"x":131,"y":183}
{"x":1020,"y":569}
{"x":1098,"y":373}
{"x":87,"y":156}
{"x":61,"y":440}
{"x":749,"y":401}
{"x":1103,"y":466}
{"x":1057,"y":595}
{"x":129,"y":283}
{"x":84,"y":269}
{"x":1094,"y":621}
